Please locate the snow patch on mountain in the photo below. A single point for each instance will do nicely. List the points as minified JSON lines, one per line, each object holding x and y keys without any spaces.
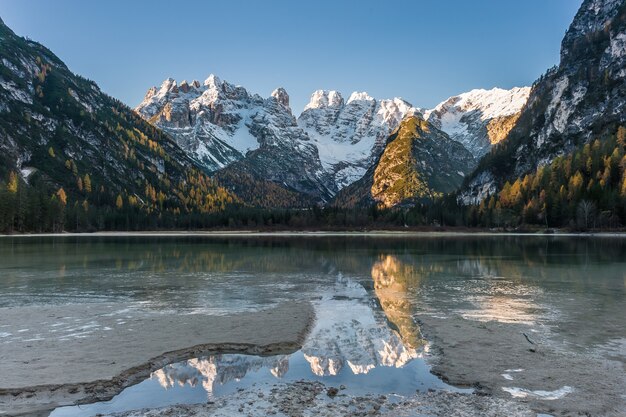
{"x":16,"y":93}
{"x":350,"y":135}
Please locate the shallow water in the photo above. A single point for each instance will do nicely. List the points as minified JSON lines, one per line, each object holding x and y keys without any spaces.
{"x":367,"y":293}
{"x":205,"y":379}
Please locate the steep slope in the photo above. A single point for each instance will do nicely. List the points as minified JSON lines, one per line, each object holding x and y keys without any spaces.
{"x":225,"y":127}
{"x":419,"y":161}
{"x":582,"y":99}
{"x":479,"y":119}
{"x":62,"y":135}
{"x":350,"y":135}
{"x":583,"y":189}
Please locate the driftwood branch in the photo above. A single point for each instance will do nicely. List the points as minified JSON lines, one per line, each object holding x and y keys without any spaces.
{"x":531,"y":342}
{"x":528,"y":338}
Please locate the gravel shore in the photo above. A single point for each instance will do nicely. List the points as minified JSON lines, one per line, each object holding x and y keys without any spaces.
{"x":306,"y":398}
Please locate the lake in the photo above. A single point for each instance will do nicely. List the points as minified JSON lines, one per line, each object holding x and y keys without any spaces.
{"x":369,"y":293}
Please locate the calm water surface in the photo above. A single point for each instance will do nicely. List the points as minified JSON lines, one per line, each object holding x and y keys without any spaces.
{"x":367,"y":293}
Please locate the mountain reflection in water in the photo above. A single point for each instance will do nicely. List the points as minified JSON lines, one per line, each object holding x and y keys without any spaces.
{"x":392,"y":278}
{"x":350,"y":335}
{"x":218,"y":369}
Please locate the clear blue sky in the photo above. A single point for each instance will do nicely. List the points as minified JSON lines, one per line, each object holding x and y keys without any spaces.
{"x":423,"y":51}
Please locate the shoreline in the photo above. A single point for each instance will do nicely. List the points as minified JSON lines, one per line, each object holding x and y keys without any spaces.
{"x":321,"y":233}
{"x":312,"y":398}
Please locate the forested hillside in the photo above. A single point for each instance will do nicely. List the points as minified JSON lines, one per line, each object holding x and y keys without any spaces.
{"x":73,"y":158}
{"x":584,"y":189}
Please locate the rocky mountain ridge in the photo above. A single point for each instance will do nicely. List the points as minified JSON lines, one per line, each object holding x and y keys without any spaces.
{"x":350,"y":135}
{"x":582,"y":99}
{"x":253,"y":143}
{"x":225,"y":127}
{"x":479,"y":118}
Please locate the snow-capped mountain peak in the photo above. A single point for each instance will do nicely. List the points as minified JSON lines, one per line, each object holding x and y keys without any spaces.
{"x":479,"y":118}
{"x":280,"y":94}
{"x":168,"y":85}
{"x":491,"y":103}
{"x":208,"y":120}
{"x":220,"y":123}
{"x":184,"y":86}
{"x":350,"y":135}
{"x":360,"y":96}
{"x":325,"y":98}
{"x":213,"y":81}
{"x":336,"y":140}
{"x":394,"y":111}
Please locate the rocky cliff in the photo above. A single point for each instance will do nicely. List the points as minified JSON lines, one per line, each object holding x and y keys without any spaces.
{"x":581,"y":99}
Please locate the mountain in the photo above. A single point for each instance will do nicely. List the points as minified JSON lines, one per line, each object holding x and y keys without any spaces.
{"x":181,"y":110}
{"x":350,"y":135}
{"x":269,"y":158}
{"x":479,"y":119}
{"x":61,"y":136}
{"x":582,"y":99}
{"x":419,"y":161}
{"x":251,"y":143}
{"x":254,"y":140}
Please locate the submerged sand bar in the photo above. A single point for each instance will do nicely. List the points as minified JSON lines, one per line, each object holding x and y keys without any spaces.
{"x":44,"y":363}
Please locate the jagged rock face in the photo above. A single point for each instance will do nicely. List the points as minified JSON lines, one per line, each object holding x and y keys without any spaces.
{"x":286,"y":155}
{"x":479,"y":119}
{"x":281,"y":96}
{"x":582,"y":99}
{"x":220,"y":124}
{"x":419,"y":161}
{"x":591,"y":18}
{"x":210,"y":121}
{"x":351,"y":135}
